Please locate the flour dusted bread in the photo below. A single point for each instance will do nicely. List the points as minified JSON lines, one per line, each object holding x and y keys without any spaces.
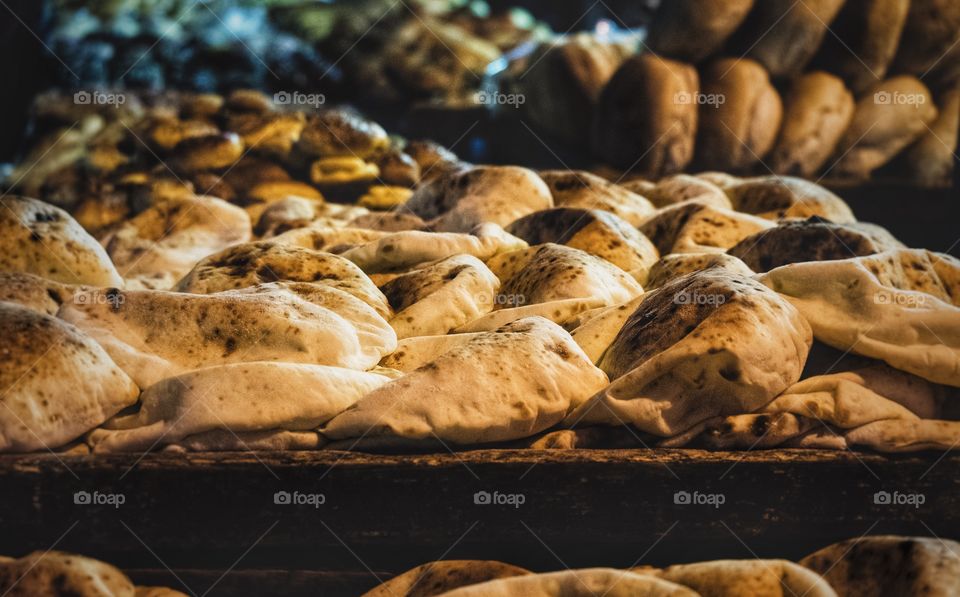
{"x":891,"y":306}
{"x":579,"y":189}
{"x":464,"y":199}
{"x":164,"y":241}
{"x":747,"y":578}
{"x":735,"y":134}
{"x":683,"y":187}
{"x":238,"y":398}
{"x":675,"y":265}
{"x":817,"y":110}
{"x":812,"y":240}
{"x":329,"y":239}
{"x":33,"y":292}
{"x":783,"y":35}
{"x":260,"y":262}
{"x":44,"y":240}
{"x":692,"y":30}
{"x":57,"y":573}
{"x":472,"y":395}
{"x":157,"y":334}
{"x":576,"y":583}
{"x":646,"y":119}
{"x":595,"y":231}
{"x":435,"y":578}
{"x":601,"y":326}
{"x":441,"y":297}
{"x":889,"y":565}
{"x":58,"y":382}
{"x":695,"y":227}
{"x":416,"y":351}
{"x":707,"y":344}
{"x":778,"y":197}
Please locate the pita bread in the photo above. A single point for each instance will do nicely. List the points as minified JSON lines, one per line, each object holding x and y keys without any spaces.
{"x":748,"y":578}
{"x":673,"y":266}
{"x":441,"y":297}
{"x":249,"y":264}
{"x":562,"y":312}
{"x":595,"y":231}
{"x":33,"y":292}
{"x":580,"y":189}
{"x":406,"y":249}
{"x":778,"y":197}
{"x":890,"y":565}
{"x":707,"y":344}
{"x":153,"y":335}
{"x":435,"y":578}
{"x":906,"y":436}
{"x":58,"y":382}
{"x":59,"y":573}
{"x":576,"y":583}
{"x":463,"y":199}
{"x":168,"y":238}
{"x":158,"y":592}
{"x":276,"y":440}
{"x":414,"y":352}
{"x":472,"y":395}
{"x":328,"y":239}
{"x":683,"y":187}
{"x":695,"y":227}
{"x":891,"y":306}
{"x":285,"y":214}
{"x":813,"y":239}
{"x":239,"y":397}
{"x":554,"y":272}
{"x":596,"y":334}
{"x":44,"y":240}
{"x":391,"y":221}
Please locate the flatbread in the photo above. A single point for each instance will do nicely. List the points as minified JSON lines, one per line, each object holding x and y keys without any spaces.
{"x":813,"y":239}
{"x":906,"y":436}
{"x":683,"y":187}
{"x":249,"y":264}
{"x":44,"y":240}
{"x":590,"y":582}
{"x":240,"y":397}
{"x":328,"y":239}
{"x":153,"y":335}
{"x":33,"y":292}
{"x":577,"y":188}
{"x":890,"y":565}
{"x":59,"y":573}
{"x":673,"y":266}
{"x":891,"y":306}
{"x":275,"y":440}
{"x":463,"y":199}
{"x":416,"y":351}
{"x":595,"y":231}
{"x":778,"y":197}
{"x":748,"y":578}
{"x":696,"y":227}
{"x":707,"y":344}
{"x":168,"y":238}
{"x":441,"y":297}
{"x":472,"y":395}
{"x":58,"y":383}
{"x":596,"y":334}
{"x":434,"y":578}
{"x":562,"y":312}
{"x":406,"y":249}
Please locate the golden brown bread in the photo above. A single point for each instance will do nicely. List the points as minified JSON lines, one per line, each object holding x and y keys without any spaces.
{"x":693,"y":30}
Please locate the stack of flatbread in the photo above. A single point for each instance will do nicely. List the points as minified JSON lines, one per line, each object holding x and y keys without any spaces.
{"x":484,"y":306}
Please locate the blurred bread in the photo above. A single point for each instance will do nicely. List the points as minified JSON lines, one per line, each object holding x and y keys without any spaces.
{"x":818,"y":108}
{"x":692,"y":30}
{"x":931,"y":32}
{"x":646,"y":119}
{"x":930,"y":162}
{"x":738,"y":129}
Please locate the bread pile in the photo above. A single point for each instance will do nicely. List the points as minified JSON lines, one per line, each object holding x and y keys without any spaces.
{"x":866,"y":567}
{"x":214,"y":290}
{"x":819,"y":88}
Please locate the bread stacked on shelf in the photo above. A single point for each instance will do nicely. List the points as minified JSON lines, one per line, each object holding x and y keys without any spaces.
{"x":818,"y":88}
{"x":223,"y":273}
